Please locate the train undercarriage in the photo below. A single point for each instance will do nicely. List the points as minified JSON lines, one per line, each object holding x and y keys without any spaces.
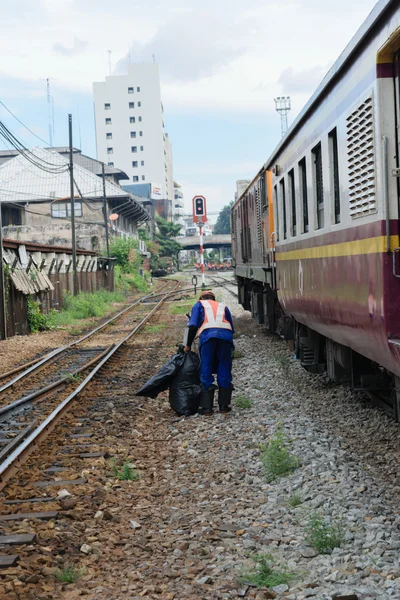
{"x":319,"y":354}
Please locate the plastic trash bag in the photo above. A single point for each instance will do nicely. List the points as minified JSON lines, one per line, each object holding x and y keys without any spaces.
{"x":185,"y":388}
{"x":181,"y":375}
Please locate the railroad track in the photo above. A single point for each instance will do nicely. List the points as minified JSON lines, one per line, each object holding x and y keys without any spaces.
{"x":28,"y":423}
{"x":221,"y":281}
{"x":66,"y":363}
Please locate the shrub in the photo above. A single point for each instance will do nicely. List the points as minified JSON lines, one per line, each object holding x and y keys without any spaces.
{"x":276,"y":457}
{"x":36,"y":320}
{"x":126,"y":253}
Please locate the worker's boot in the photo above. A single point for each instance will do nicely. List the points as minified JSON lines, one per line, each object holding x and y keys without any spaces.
{"x":206,"y":401}
{"x":224,"y":399}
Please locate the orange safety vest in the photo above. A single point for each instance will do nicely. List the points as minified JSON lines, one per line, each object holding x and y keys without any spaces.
{"x":214,"y":316}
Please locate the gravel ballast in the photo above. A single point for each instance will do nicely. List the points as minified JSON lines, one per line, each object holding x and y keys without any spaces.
{"x":203,"y":508}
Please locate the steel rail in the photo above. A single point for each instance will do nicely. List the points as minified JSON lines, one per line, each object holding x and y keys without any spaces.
{"x":14,"y":460}
{"x":45,"y":359}
{"x":9,"y":407}
{"x":224,"y":285}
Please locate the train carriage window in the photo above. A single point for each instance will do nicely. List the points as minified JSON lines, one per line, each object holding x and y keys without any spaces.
{"x":334,"y":173}
{"x":283,"y":202}
{"x":303,"y":191}
{"x":318,"y":185}
{"x":292,"y":191}
{"x":276,"y":212}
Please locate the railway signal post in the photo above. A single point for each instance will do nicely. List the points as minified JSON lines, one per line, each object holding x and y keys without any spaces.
{"x":200,"y":217}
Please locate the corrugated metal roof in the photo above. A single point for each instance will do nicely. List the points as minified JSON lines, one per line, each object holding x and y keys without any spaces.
{"x":87,"y":162}
{"x":21,"y":181}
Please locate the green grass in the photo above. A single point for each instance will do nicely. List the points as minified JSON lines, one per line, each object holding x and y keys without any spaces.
{"x":69,"y":574}
{"x":276,"y":457}
{"x":265,"y":574}
{"x":237,"y":354}
{"x":323,"y":536}
{"x":284,"y":362}
{"x":178,"y":308}
{"x":73,"y":377}
{"x":84,"y":306}
{"x":125,"y":472}
{"x":295,"y":500}
{"x":242,"y":402}
{"x":155,"y":328}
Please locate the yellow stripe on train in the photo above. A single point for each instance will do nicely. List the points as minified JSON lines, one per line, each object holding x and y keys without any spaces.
{"x":374,"y":245}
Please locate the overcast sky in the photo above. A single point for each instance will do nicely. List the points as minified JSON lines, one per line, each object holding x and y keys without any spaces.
{"x":222,"y":64}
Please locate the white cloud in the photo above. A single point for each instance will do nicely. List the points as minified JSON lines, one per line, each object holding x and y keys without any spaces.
{"x":212,"y":55}
{"x":78,"y":47}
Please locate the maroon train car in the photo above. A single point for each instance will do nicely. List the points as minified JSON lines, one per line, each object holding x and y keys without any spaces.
{"x":328,"y":275}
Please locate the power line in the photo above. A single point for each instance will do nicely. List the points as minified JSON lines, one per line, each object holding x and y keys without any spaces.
{"x":36,"y":160}
{"x":23,"y":124}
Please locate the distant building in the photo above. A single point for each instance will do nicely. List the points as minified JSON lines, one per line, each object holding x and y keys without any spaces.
{"x":130,"y":127}
{"x":178,"y":210}
{"x":36,"y":205}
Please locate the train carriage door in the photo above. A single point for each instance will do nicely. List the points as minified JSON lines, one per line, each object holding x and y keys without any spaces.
{"x":396,"y":77}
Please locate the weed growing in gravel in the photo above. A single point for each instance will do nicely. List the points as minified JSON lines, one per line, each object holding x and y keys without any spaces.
{"x":237,"y":354}
{"x":180,"y":309}
{"x":69,"y":574}
{"x":243,"y":402}
{"x":276,"y":457}
{"x":265,"y":574}
{"x":295,"y":500}
{"x":322,"y":536}
{"x":71,"y":377}
{"x":125,"y":472}
{"x":284,"y":362}
{"x":155,"y":328}
{"x":76,"y":331}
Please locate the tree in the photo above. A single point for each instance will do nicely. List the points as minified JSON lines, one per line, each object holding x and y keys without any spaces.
{"x":167,"y":231}
{"x":223,"y":224}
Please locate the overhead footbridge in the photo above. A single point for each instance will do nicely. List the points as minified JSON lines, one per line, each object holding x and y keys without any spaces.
{"x":192,"y":242}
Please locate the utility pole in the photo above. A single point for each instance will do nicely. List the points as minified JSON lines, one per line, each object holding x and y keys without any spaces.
{"x":3,"y":311}
{"x":282,"y":106}
{"x":200,"y":224}
{"x":105,"y":211}
{"x":72,"y":194}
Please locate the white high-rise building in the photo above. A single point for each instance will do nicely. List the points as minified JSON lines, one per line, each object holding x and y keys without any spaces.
{"x":130,"y":127}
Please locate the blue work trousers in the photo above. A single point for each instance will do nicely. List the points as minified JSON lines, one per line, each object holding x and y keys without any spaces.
{"x":216,"y":357}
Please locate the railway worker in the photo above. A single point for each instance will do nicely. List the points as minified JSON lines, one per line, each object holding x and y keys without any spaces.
{"x":212,"y":322}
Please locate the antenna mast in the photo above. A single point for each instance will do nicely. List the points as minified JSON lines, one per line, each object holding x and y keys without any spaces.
{"x":282,"y":106}
{"x":50,"y":113}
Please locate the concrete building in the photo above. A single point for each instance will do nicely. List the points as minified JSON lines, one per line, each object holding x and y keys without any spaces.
{"x":36,"y":205}
{"x":178,"y":210}
{"x":130,"y":131}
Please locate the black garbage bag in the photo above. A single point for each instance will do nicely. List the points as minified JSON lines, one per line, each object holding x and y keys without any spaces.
{"x":181,"y":375}
{"x":161,"y":381}
{"x":185,"y":389}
